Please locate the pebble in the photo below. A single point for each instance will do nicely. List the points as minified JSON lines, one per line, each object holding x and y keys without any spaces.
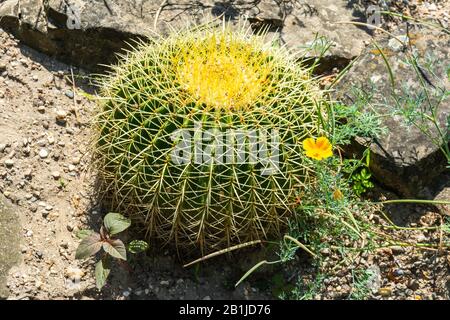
{"x":2,"y":147}
{"x":413,"y":285}
{"x":69,"y":94}
{"x":421,"y":238}
{"x":43,"y":153}
{"x":56,"y":174}
{"x":9,"y":163}
{"x":397,"y":249}
{"x":74,"y":273}
{"x":164,"y":283}
{"x":374,"y":281}
{"x":385,"y":292}
{"x":76,"y":160}
{"x":61,"y":116}
{"x":432,"y":7}
{"x":398,"y":272}
{"x":72,"y":167}
{"x":51,"y":139}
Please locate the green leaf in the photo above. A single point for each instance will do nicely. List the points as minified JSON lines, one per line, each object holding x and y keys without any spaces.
{"x":115,"y":222}
{"x":89,"y":246}
{"x":365,"y":175}
{"x":102,"y":270}
{"x":137,"y":246}
{"x":115,"y":248}
{"x":368,"y":158}
{"x":84,"y":233}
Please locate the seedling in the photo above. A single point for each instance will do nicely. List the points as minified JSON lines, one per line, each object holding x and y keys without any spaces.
{"x":93,"y":242}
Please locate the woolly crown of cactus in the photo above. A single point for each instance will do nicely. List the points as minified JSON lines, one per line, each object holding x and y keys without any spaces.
{"x":199,"y":136}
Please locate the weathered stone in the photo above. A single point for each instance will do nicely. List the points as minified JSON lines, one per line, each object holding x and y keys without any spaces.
{"x":9,"y":243}
{"x":89,"y":33}
{"x":404,"y":159}
{"x":439,"y":190}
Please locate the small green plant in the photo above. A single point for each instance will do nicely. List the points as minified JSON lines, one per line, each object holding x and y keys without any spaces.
{"x":62,"y":183}
{"x":361,"y":181}
{"x":360,"y":287}
{"x":359,"y":175}
{"x":93,"y":242}
{"x":304,"y":290}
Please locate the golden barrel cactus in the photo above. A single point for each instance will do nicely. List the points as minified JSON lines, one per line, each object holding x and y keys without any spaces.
{"x":199,"y":136}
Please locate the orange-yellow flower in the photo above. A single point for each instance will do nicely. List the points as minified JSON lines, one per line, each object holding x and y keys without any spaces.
{"x":337,"y":195}
{"x":318,"y":149}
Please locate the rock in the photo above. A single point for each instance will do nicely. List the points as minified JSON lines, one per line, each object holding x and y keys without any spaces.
{"x":51,"y":139}
{"x":385,"y":292}
{"x":2,"y":147}
{"x":43,"y":153}
{"x":76,"y":160}
{"x":61,"y":116}
{"x":9,"y":243}
{"x":374,"y":280}
{"x":397,"y":249}
{"x":404,"y":159}
{"x":89,"y":33}
{"x":56,"y":175}
{"x":69,"y":94}
{"x":444,"y":195}
{"x":439,"y":190}
{"x":9,"y":163}
{"x":413,"y":285}
{"x":75,"y":274}
{"x":398,"y":272}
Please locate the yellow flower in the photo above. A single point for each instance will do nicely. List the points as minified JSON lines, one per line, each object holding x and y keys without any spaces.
{"x":337,"y":195}
{"x":318,"y":149}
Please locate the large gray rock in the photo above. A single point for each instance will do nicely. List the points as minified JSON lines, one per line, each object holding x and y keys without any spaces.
{"x":90,"y":32}
{"x":9,"y":243}
{"x":404,"y":159}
